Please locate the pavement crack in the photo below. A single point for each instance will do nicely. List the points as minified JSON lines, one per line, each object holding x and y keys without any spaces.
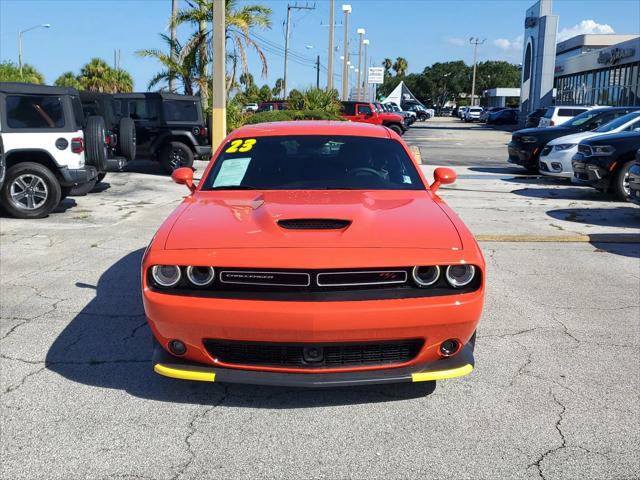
{"x":563,"y":440}
{"x":135,"y":330}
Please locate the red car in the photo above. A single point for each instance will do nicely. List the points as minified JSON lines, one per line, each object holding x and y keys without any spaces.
{"x":366,"y":112}
{"x":313,"y":254}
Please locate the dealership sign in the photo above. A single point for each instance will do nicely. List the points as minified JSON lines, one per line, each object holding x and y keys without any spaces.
{"x":613,"y":56}
{"x":376,"y":75}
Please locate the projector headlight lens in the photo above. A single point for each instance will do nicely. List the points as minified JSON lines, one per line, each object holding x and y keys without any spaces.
{"x":460,"y":276}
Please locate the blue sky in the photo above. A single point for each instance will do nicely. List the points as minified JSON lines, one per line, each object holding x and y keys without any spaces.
{"x":422,"y":31}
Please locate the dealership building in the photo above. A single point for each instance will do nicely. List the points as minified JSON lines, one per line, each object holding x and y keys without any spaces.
{"x":598,"y":69}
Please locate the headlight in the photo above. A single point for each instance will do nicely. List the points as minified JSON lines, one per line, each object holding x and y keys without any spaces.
{"x":602,"y":149}
{"x":526,"y":139}
{"x":460,"y":276}
{"x":425,"y":276}
{"x":564,"y":146}
{"x":166,"y":275}
{"x":201,"y":276}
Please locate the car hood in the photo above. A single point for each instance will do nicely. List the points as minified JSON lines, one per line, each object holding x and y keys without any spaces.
{"x":249,"y":219}
{"x":544,"y":135}
{"x":574,"y":138}
{"x":633,"y":138}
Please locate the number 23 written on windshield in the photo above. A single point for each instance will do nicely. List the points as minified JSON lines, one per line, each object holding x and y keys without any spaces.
{"x":241,"y":145}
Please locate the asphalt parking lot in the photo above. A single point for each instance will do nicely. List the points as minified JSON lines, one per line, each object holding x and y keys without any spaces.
{"x":554,"y":394}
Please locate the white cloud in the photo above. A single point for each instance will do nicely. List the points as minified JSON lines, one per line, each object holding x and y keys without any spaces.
{"x":458,"y":42}
{"x":514,"y":45}
{"x":584,"y":27}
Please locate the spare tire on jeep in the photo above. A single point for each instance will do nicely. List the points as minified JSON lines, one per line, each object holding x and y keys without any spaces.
{"x":127,"y":140}
{"x":95,"y":143}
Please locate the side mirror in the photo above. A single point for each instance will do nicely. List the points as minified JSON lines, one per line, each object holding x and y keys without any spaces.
{"x":184,"y":176}
{"x":442,"y":176}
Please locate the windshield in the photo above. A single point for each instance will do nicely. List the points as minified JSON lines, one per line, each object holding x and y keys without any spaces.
{"x":582,"y":118}
{"x":618,"y":122}
{"x":180,"y":111}
{"x":313,"y":162}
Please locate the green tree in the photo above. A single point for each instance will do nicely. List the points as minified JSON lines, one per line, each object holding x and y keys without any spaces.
{"x":400,"y":66}
{"x":68,"y":79}
{"x":10,"y":72}
{"x":278,"y":88}
{"x":387,"y":64}
{"x":494,"y":74}
{"x":120,"y":80}
{"x":265,"y":93}
{"x":184,"y":68}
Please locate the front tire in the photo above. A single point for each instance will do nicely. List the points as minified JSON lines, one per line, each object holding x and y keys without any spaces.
{"x":30,"y":190}
{"x":620,"y":184}
{"x":101,"y":176}
{"x":423,"y":117}
{"x":175,"y":155}
{"x":396,"y":129}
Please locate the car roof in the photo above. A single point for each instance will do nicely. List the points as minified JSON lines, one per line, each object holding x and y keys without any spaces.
{"x":311,"y":127}
{"x":33,"y":89}
{"x":162,"y":95}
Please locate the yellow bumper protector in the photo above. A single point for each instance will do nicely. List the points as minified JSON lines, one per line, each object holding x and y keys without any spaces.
{"x":442,"y":374}
{"x":184,"y":374}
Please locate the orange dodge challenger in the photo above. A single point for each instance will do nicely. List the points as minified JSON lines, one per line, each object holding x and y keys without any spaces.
{"x":313,"y":254}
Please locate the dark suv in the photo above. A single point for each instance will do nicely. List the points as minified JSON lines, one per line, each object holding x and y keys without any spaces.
{"x":170,"y":128}
{"x":526,"y":145}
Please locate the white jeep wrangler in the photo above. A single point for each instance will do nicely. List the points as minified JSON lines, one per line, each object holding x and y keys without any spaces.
{"x":41,"y":129}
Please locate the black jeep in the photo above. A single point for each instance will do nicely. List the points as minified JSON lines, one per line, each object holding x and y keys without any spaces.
{"x":170,"y":128}
{"x":120,"y":130}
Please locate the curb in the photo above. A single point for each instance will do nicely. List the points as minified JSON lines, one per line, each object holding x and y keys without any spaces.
{"x":593,"y":238}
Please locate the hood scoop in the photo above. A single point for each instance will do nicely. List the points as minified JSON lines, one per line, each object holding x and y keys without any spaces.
{"x":314,"y":224}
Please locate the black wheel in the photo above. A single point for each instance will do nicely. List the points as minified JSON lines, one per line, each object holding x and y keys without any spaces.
{"x":101,"y":176}
{"x":396,"y":128}
{"x":127,"y":138}
{"x":620,"y":183}
{"x":423,"y":117}
{"x":64,"y":192}
{"x":82,"y":189}
{"x":30,"y":190}
{"x":95,"y":144}
{"x":175,"y":155}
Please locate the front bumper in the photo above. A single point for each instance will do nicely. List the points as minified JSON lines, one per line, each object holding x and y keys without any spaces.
{"x":203,"y":150}
{"x":557,"y":164}
{"x":591,"y":173}
{"x":520,"y":155}
{"x":77,"y":176}
{"x":460,"y":364}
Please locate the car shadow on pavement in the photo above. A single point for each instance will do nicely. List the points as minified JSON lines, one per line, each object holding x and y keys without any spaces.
{"x":502,"y":170}
{"x":631,"y":250}
{"x":148,"y":167}
{"x":567,"y":193}
{"x":626,"y":217}
{"x":109,"y":344}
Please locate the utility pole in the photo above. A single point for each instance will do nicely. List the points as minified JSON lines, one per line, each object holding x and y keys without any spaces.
{"x":174,"y":10}
{"x":345,"y":65}
{"x":365,"y":42}
{"x":286,"y":39}
{"x":330,"y":57}
{"x":475,"y":42}
{"x":360,"y":32}
{"x":218,"y":84}
{"x":318,"y":72}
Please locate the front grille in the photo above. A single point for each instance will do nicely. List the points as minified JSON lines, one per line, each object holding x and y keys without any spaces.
{"x":325,"y":355}
{"x":343,"y":279}
{"x":274,"y":279}
{"x":314,"y":224}
{"x":546,"y":151}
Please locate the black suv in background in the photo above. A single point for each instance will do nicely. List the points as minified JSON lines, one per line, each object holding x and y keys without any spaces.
{"x":634,"y":180}
{"x":603,"y":162}
{"x":526,"y":145}
{"x":170,"y":128}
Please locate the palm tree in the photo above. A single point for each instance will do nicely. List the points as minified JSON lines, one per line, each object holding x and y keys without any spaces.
{"x":10,"y":72}
{"x":184,"y":68}
{"x":240,"y":22}
{"x":400,"y":66}
{"x":94,"y":76}
{"x":121,"y":81}
{"x":246,"y":79}
{"x":68,"y":79}
{"x":279,"y":87}
{"x":387,"y":64}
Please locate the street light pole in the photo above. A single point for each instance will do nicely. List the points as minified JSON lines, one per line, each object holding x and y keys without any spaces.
{"x":365,"y":72}
{"x":345,"y":67}
{"x":360,"y":32}
{"x":20,"y":33}
{"x":330,"y":59}
{"x":475,"y":42}
{"x":218,"y":87}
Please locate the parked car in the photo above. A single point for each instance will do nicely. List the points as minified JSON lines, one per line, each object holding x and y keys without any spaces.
{"x":350,"y":271}
{"x":170,"y":128}
{"x":461,"y":112}
{"x":120,"y":130}
{"x":49,"y":147}
{"x":526,"y":145}
{"x":556,"y":156}
{"x":508,"y":116}
{"x":273,"y":105}
{"x":366,"y":112}
{"x":472,"y":114}
{"x":533,"y":119}
{"x":559,"y":114}
{"x":390,"y":117}
{"x":251,"y":107}
{"x":484,"y":115}
{"x":3,"y":165}
{"x":422,"y":113}
{"x":634,"y":180}
{"x":603,"y":162}
{"x":410,"y":117}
